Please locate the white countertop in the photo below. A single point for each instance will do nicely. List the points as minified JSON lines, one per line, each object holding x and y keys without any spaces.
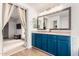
{"x":66,"y":33}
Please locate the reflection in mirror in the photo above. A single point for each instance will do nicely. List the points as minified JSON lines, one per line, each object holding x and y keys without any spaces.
{"x":34,"y":23}
{"x":40,"y":23}
{"x":60,"y":20}
{"x":55,"y":24}
{"x":64,"y":19}
{"x":45,"y":23}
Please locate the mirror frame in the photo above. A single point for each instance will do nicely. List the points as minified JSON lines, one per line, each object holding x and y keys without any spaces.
{"x":69,"y":8}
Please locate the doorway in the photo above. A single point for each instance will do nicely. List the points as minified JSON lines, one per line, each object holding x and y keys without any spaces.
{"x":14,"y":37}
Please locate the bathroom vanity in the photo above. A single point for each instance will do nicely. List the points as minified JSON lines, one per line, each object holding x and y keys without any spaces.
{"x":55,"y":44}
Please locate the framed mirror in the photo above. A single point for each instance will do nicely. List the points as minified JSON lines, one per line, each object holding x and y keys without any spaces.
{"x":60,"y":20}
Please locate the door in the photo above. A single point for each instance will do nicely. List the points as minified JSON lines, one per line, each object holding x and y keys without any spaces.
{"x":63,"y":46}
{"x":52,"y":44}
{"x":44,"y":42}
{"x":38,"y":40}
{"x":33,"y":39}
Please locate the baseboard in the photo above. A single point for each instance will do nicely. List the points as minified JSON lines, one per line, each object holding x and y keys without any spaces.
{"x":28,"y":47}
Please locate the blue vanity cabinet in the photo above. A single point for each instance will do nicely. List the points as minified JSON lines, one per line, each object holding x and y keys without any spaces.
{"x":63,"y":45}
{"x":44,"y":42}
{"x":38,"y":40}
{"x":52,"y":44}
{"x":58,"y":45}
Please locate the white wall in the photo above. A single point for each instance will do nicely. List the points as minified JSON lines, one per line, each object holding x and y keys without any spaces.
{"x":31,"y":13}
{"x":20,"y":31}
{"x":75,"y":29}
{"x":12,"y":28}
{"x":1,"y":39}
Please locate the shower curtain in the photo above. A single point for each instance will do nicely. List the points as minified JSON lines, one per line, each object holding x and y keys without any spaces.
{"x":22,"y":13}
{"x":7,"y":13}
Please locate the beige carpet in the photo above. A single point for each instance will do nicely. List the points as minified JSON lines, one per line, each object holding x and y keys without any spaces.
{"x":10,"y":45}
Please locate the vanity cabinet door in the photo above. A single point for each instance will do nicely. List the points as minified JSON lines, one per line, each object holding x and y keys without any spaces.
{"x":38,"y":40}
{"x":33,"y":39}
{"x":44,"y":42}
{"x":63,"y":46}
{"x":52,"y":44}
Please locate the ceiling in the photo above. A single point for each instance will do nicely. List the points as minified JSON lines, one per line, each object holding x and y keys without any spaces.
{"x":40,"y":7}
